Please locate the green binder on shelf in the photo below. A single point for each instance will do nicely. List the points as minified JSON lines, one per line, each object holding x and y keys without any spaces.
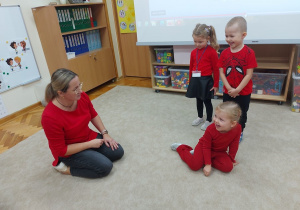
{"x":60,"y":20}
{"x":65,"y":19}
{"x":73,"y":18}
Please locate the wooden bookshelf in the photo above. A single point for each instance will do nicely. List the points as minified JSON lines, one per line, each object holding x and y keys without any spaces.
{"x":94,"y":67}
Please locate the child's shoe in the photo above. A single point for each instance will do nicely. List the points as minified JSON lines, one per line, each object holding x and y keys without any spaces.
{"x":197,"y":121}
{"x":175,"y":146}
{"x":205,"y":125}
{"x":241,"y":137}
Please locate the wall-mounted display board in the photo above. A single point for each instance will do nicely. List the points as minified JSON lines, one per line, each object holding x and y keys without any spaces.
{"x":170,"y":22}
{"x":17,"y":61}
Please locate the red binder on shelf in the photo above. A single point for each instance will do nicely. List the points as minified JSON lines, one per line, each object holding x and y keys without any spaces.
{"x":91,"y":16}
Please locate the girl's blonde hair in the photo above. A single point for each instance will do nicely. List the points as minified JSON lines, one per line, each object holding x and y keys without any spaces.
{"x":60,"y":80}
{"x":232,"y":109}
{"x":206,"y":31}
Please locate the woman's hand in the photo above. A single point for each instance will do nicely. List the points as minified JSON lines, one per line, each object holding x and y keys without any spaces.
{"x":110,"y":142}
{"x":207,"y":170}
{"x":96,"y":143}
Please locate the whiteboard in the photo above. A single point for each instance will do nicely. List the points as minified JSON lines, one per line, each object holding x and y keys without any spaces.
{"x":17,"y":62}
{"x":170,"y":22}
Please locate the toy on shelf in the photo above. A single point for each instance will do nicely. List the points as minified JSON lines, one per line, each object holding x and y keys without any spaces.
{"x":298,"y":63}
{"x":267,"y":83}
{"x":179,"y":77}
{"x":164,"y":55}
{"x":163,"y":81}
{"x":161,"y":70}
{"x":296,"y":94}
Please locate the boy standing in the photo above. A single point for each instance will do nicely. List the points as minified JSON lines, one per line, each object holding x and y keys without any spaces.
{"x":236,"y":65}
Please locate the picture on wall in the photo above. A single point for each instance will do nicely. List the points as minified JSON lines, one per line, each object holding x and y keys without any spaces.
{"x":17,"y":62}
{"x":126,"y":16}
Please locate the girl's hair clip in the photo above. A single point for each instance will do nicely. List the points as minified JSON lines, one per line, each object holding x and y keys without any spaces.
{"x":208,"y":30}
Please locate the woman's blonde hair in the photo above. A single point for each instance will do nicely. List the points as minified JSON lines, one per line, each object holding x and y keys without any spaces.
{"x":206,"y":31}
{"x":60,"y":80}
{"x":232,"y":109}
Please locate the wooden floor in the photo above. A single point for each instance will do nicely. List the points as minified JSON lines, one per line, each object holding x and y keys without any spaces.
{"x":28,"y":122}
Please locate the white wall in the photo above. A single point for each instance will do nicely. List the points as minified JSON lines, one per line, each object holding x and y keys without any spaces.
{"x":23,"y":96}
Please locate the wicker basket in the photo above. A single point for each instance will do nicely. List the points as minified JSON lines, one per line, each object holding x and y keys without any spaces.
{"x":75,"y":1}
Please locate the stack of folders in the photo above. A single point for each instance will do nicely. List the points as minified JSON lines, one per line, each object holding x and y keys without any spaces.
{"x":74,"y":18}
{"x":82,"y":42}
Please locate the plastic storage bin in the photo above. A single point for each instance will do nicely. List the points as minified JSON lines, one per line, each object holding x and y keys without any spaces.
{"x":161,"y":70}
{"x":179,"y":77}
{"x":164,"y":55}
{"x":296,"y":94}
{"x":162,"y":81}
{"x":267,"y":83}
{"x":298,"y":63}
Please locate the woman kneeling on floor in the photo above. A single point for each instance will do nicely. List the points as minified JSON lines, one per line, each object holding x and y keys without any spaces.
{"x":77,"y":149}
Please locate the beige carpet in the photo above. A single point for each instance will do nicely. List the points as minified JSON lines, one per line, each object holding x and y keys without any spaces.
{"x":150,"y":175}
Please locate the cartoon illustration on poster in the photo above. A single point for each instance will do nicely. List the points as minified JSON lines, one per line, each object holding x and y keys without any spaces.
{"x":13,"y":61}
{"x":17,"y":46}
{"x":18,"y":66}
{"x":126,"y":16}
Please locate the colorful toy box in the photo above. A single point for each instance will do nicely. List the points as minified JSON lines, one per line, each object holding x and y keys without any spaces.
{"x":267,"y":83}
{"x":298,"y":62}
{"x":296,"y":94}
{"x":163,"y":81}
{"x":164,"y":55}
{"x":161,"y":70}
{"x":179,"y":77}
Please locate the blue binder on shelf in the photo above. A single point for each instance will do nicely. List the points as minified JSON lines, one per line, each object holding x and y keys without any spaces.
{"x":88,"y":38}
{"x":99,"y":45}
{"x":79,"y":45}
{"x":94,"y":40}
{"x":75,"y":44}
{"x":83,"y":43}
{"x":71,"y":43}
{"x":67,"y":46}
{"x":86,"y":41}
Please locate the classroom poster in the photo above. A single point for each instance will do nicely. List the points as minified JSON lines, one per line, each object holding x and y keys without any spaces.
{"x":126,"y":16}
{"x":17,"y":62}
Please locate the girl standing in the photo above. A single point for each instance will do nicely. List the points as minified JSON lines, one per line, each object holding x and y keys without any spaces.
{"x":203,"y":64}
{"x":220,"y":137}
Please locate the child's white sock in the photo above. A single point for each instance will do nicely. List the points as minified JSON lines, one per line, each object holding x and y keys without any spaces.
{"x":175,"y":146}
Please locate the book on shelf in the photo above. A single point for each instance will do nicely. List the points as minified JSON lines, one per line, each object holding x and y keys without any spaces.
{"x":82,"y":42}
{"x":74,"y":18}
